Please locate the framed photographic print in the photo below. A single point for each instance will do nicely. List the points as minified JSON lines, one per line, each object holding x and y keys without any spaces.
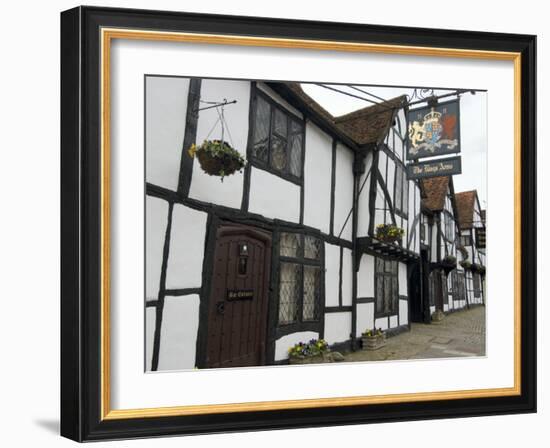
{"x":275,"y":224}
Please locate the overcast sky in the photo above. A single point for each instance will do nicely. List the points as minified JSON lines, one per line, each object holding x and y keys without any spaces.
{"x":473,"y":127}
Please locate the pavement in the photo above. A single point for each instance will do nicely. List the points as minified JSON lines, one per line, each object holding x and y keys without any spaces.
{"x":459,"y":334}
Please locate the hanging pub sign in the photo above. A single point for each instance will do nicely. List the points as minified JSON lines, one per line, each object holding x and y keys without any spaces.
{"x":435,"y":168}
{"x":434,"y":130}
{"x":480,"y":237}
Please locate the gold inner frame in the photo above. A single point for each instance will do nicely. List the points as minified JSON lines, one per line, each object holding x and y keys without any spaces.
{"x":107,"y":35}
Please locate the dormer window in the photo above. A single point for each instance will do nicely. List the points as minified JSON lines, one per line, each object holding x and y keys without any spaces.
{"x":277,"y":139}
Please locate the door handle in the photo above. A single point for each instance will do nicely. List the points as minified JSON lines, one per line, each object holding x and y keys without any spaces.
{"x":220,"y":307}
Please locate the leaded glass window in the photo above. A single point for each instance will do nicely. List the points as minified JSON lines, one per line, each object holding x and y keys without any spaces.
{"x":477,"y":285}
{"x":387,"y":286}
{"x":401,"y":191}
{"x":312,"y":292}
{"x":289,"y":292}
{"x":277,"y":139}
{"x":301,"y":271}
{"x":466,"y":238}
{"x":312,"y":247}
{"x":290,"y":245}
{"x":260,"y":136}
{"x":458,"y":285}
{"x":449,"y":226}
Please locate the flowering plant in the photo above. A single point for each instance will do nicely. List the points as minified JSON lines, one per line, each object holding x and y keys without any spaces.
{"x":314,"y":347}
{"x":375,"y":332}
{"x":217,"y":158}
{"x":389,"y":232}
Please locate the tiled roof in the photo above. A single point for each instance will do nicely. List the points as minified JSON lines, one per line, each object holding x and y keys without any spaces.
{"x":363,"y":126}
{"x":370,"y":124}
{"x":465,"y":203}
{"x":435,"y":191}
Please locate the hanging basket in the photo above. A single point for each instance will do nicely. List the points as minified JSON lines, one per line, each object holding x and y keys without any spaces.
{"x":218,"y":158}
{"x":480,"y":269}
{"x":448,"y":264}
{"x":388,"y":233}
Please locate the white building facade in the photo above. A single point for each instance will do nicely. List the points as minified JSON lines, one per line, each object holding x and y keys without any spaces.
{"x":285,"y":251}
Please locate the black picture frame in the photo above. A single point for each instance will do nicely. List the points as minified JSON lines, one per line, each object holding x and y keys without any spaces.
{"x":81,"y":223}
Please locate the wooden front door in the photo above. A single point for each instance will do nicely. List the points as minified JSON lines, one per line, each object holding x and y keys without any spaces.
{"x":237,"y":311}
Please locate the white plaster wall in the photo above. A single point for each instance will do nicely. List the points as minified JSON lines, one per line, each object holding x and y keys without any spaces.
{"x":343,"y":197}
{"x":178,"y":335}
{"x":432,"y":309}
{"x":347,"y":277}
{"x":186,"y":252}
{"x":363,"y":216}
{"x":332,"y":274}
{"x":210,"y":188}
{"x":379,"y":214}
{"x":400,"y":117}
{"x":394,"y":321}
{"x":390,"y":181}
{"x":398,"y":143}
{"x":365,"y":318}
{"x":403,"y":312}
{"x":283,"y":344}
{"x":445,"y":307}
{"x":278,"y":99}
{"x":273,"y":197}
{"x":337,"y":327}
{"x":165,"y":112}
{"x":365,"y":277}
{"x":381,"y":323}
{"x":150,"y":320}
{"x":402,"y":279}
{"x":156,"y":220}
{"x":317,"y":178}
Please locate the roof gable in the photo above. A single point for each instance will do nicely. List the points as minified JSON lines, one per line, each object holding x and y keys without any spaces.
{"x":435,"y":192}
{"x":465,"y":204}
{"x":364,"y":126}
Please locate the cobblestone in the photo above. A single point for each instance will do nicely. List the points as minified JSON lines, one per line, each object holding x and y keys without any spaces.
{"x":460,"y":334}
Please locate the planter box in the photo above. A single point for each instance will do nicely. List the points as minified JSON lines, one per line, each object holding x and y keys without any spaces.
{"x":318,"y":359}
{"x":437,"y":317}
{"x":373,"y":342}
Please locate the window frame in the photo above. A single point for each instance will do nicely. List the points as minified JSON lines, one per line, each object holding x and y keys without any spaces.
{"x":401,"y":211}
{"x":466,"y":234}
{"x":458,"y":278}
{"x":476,"y":288}
{"x":301,"y":260}
{"x":291,"y":117}
{"x":394,"y":276}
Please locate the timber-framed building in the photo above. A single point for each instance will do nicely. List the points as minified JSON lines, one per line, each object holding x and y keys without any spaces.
{"x":286,"y":251}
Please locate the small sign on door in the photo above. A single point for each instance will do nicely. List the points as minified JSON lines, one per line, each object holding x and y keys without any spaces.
{"x":240,"y":294}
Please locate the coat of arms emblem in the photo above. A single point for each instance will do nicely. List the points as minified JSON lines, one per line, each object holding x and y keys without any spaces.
{"x":432,"y":132}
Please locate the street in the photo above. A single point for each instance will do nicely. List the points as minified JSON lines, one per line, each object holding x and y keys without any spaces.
{"x":460,"y":334}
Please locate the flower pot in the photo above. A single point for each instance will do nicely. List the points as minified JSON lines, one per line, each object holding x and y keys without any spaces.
{"x":217,"y":158}
{"x":437,"y":317}
{"x":448,"y":267}
{"x":373,"y":342}
{"x":389,"y":239}
{"x":223,"y":165}
{"x":317,"y":359}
